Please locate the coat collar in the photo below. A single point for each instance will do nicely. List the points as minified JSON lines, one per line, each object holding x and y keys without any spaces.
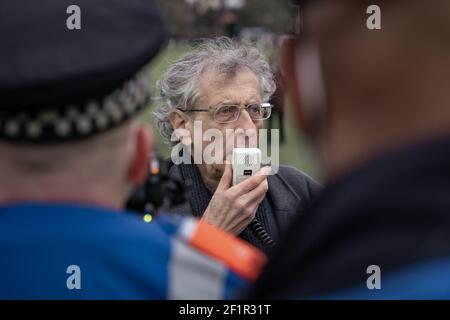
{"x":284,"y":200}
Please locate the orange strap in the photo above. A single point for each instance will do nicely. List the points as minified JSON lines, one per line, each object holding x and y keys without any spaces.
{"x":238,"y":255}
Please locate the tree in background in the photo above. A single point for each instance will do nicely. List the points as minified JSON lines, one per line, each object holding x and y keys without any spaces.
{"x":201,"y":18}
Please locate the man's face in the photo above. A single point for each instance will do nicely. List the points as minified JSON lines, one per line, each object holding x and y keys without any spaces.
{"x":324,"y":64}
{"x":369,"y":77}
{"x":218,"y":90}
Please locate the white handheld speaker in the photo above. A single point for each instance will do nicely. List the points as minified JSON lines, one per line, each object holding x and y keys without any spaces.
{"x":246,"y":162}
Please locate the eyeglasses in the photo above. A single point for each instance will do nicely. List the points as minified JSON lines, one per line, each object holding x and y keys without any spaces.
{"x":230,"y":112}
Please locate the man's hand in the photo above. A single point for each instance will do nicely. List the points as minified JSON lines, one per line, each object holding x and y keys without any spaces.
{"x":232,"y":208}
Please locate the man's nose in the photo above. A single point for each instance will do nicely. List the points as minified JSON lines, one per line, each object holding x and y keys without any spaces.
{"x":245,"y":121}
{"x":246,"y":131}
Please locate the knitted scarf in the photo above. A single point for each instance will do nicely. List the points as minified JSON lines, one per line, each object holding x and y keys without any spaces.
{"x":199,"y":197}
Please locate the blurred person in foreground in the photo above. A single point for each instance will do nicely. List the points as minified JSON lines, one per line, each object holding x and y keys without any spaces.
{"x":224,"y":85}
{"x":71,"y":152}
{"x":376,"y":103}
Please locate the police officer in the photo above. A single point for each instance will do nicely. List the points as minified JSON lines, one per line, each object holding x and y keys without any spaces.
{"x":376,"y":103}
{"x":72,"y":81}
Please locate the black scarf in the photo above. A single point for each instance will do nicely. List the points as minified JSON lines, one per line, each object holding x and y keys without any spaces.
{"x":199,"y":197}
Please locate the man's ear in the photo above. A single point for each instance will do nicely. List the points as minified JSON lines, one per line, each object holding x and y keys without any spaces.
{"x":288,"y":67}
{"x":181,"y":122}
{"x":139,"y":165}
{"x":178,"y":120}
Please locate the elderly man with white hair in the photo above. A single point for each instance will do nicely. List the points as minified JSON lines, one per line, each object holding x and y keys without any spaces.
{"x":225,"y":85}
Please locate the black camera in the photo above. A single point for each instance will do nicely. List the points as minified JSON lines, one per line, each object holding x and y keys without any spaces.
{"x":159,"y":190}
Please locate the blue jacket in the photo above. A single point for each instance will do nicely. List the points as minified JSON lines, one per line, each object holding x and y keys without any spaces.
{"x":393,"y":212}
{"x":62,"y":251}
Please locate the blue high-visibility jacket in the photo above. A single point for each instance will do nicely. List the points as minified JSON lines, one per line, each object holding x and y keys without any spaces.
{"x":65,"y":251}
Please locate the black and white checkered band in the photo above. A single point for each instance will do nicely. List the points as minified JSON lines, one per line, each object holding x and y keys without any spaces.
{"x":80,"y":120}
